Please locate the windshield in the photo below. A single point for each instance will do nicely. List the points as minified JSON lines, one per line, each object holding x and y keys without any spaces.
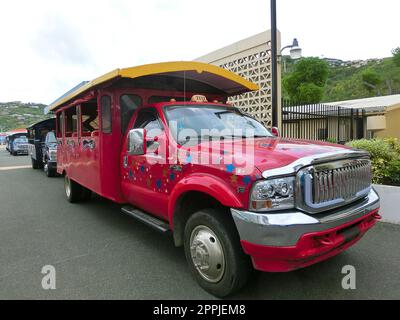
{"x":51,"y":138}
{"x":21,"y":140}
{"x":209,"y":122}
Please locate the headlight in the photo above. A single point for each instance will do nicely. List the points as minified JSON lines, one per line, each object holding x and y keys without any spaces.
{"x":53,"y":155}
{"x":274,"y":194}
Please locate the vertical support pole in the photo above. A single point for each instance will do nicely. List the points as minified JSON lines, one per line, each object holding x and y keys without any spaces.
{"x":352,"y":125}
{"x":274,"y":66}
{"x":338,"y":125}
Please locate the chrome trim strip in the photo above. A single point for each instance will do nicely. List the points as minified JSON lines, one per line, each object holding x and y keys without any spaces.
{"x":274,"y":219}
{"x":315,"y":159}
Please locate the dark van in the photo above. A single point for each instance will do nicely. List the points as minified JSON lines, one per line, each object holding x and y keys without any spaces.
{"x":43,"y":146}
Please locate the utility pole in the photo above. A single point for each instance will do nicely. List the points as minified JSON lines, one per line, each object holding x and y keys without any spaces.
{"x":274,"y":65}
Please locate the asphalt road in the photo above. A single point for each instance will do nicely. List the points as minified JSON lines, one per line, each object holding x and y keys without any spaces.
{"x":99,"y":253}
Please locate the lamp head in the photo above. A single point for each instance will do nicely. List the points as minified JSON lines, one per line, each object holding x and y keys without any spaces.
{"x":295,"y":50}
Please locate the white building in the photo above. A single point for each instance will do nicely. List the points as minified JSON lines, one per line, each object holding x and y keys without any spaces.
{"x":251,"y":59}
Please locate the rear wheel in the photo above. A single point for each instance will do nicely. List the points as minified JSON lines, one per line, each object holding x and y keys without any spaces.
{"x":86,"y":194}
{"x":73,"y":190}
{"x":214,"y":254}
{"x":35,"y":164}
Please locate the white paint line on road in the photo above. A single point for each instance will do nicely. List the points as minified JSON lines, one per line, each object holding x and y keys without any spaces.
{"x":14,"y":168}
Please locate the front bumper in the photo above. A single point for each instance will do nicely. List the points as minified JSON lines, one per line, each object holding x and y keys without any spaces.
{"x":52,"y":165}
{"x":280,"y":242}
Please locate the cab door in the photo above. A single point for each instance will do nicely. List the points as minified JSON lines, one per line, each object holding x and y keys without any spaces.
{"x":143,"y":184}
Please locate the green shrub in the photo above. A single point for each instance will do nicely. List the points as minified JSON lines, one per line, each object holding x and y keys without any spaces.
{"x":385,"y":157}
{"x":331,"y":140}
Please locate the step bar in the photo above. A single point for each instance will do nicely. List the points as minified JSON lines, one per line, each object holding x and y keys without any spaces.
{"x":147,"y":219}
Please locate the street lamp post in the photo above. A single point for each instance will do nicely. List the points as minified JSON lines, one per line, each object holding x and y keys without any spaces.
{"x":295,"y":53}
{"x":274,"y":66}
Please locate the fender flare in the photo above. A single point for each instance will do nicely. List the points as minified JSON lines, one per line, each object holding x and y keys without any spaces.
{"x":207,"y":184}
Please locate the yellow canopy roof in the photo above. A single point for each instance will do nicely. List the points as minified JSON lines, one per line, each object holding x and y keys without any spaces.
{"x":214,"y":76}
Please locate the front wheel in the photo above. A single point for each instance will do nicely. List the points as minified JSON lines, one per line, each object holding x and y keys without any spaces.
{"x":214,"y":254}
{"x":50,"y":172}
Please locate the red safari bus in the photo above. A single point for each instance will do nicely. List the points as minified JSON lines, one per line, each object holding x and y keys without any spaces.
{"x":135,"y":136}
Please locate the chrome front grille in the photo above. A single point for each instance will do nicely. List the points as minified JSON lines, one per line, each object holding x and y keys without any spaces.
{"x":53,"y":155}
{"x":331,"y":185}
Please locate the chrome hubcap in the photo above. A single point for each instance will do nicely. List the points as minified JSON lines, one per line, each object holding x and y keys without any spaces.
{"x":207,"y":254}
{"x":67,"y":185}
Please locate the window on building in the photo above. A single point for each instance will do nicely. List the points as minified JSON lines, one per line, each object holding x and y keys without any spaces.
{"x":106,"y":114}
{"x":129,"y":103}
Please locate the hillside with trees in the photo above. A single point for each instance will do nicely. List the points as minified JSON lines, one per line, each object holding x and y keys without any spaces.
{"x":16,"y":114}
{"x":335,"y":80}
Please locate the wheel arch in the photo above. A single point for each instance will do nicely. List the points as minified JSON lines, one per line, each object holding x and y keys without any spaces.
{"x":191,"y":196}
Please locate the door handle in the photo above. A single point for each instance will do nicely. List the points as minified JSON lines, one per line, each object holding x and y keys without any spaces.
{"x":125,"y":161}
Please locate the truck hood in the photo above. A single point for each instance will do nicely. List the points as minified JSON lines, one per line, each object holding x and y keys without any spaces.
{"x":272,"y":153}
{"x":275,"y":153}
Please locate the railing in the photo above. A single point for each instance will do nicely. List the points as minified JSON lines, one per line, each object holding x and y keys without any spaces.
{"x":322,"y":122}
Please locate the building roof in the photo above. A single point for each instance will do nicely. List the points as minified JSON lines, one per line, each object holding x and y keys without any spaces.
{"x":222,"y":79}
{"x":374,"y":104}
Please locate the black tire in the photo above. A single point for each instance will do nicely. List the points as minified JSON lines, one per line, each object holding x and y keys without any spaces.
{"x":50,"y":172}
{"x":86,"y":194}
{"x":73,"y":190}
{"x":236,"y":264}
{"x":35,"y":164}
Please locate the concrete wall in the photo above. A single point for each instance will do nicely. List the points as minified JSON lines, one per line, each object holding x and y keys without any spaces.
{"x":250,"y":58}
{"x":390,"y":209}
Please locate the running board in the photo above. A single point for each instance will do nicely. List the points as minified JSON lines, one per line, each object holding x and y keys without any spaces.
{"x":151,"y":221}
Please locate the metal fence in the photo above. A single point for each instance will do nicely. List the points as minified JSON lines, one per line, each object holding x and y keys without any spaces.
{"x":322,"y":122}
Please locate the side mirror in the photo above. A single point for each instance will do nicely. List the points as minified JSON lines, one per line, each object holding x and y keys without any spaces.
{"x":137,"y":142}
{"x":275,"y":131}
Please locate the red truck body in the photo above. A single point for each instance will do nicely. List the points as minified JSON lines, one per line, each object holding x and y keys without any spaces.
{"x":93,"y":132}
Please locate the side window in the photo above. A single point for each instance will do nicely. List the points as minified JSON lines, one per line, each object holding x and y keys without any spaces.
{"x":59,"y":124}
{"x":129,"y":103}
{"x":147,"y":119}
{"x":106,"y":115}
{"x":90,"y":117}
{"x":71,"y":122}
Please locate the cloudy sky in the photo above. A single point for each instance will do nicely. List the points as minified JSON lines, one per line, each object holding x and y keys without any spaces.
{"x":48,"y":46}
